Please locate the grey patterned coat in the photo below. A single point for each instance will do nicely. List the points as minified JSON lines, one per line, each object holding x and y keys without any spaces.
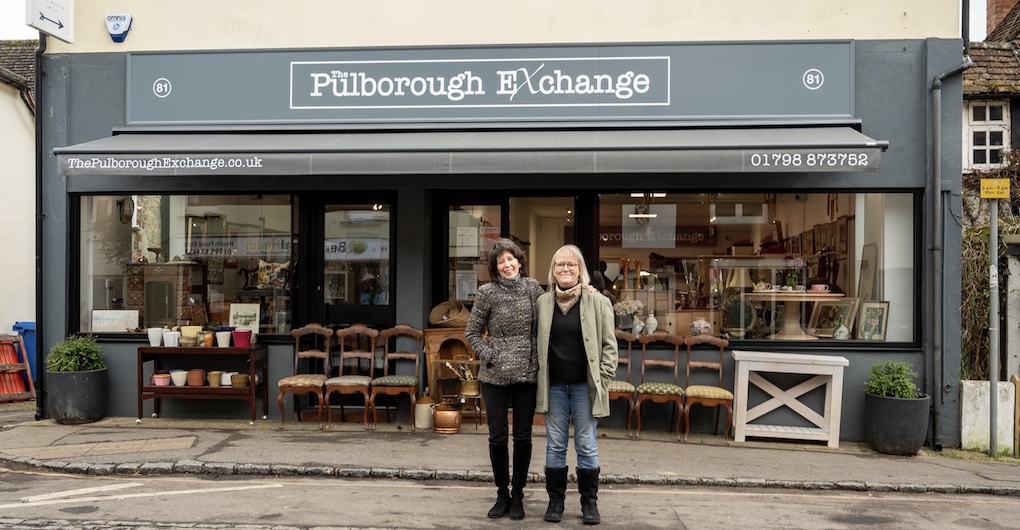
{"x":507,"y":310}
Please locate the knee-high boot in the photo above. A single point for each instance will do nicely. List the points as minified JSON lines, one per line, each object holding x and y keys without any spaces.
{"x":522,"y":461}
{"x":499,"y":455}
{"x":556,"y":487}
{"x":588,"y":486}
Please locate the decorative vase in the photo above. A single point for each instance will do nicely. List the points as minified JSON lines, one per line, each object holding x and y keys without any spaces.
{"x":626,"y":321}
{"x":651,"y":323}
{"x":700,"y":326}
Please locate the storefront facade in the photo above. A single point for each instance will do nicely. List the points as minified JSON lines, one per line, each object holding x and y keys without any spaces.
{"x":362,"y":184}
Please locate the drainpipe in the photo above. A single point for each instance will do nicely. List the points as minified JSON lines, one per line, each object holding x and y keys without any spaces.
{"x":40,"y":361}
{"x":938,"y":387}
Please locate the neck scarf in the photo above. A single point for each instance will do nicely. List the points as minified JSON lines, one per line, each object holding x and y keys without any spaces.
{"x":566,"y":298}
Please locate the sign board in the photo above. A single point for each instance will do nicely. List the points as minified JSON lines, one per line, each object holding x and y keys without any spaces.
{"x":994,"y":188}
{"x":686,"y":81}
{"x":114,"y":320}
{"x":52,"y":17}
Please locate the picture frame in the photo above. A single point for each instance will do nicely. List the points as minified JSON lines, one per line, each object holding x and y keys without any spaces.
{"x":821,"y":238}
{"x":866,"y":281}
{"x":842,"y":234}
{"x":807,"y":242}
{"x":832,"y":234}
{"x":245,"y":316}
{"x":826,"y":316}
{"x":874,"y":321}
{"x":795,"y":245}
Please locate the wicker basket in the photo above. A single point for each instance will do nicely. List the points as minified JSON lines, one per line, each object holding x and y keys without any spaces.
{"x":449,"y":314}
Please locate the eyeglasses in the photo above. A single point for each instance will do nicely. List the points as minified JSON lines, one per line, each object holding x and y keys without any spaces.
{"x":562,"y":265}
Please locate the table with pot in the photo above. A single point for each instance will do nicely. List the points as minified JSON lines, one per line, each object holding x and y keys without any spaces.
{"x":200,"y":372}
{"x":792,"y":300}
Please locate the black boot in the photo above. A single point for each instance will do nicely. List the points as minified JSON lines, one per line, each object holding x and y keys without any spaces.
{"x":588,"y":486}
{"x":556,"y":487}
{"x":500,"y":458}
{"x":522,"y":461}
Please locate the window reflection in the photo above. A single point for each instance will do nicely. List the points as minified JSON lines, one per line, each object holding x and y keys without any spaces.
{"x":171,"y":260}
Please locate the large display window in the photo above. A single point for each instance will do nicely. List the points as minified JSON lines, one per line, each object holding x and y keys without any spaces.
{"x":769,"y":266}
{"x":173,"y":260}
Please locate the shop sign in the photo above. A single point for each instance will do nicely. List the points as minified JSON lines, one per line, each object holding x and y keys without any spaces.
{"x":355,"y":249}
{"x":658,"y":237}
{"x":683,"y":81}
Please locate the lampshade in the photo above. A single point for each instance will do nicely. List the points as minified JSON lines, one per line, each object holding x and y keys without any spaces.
{"x":740,"y":279}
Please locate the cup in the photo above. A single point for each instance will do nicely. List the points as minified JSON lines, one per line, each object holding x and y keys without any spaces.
{"x":190,"y":331}
{"x":242,"y":338}
{"x":171,"y":339}
{"x":155,"y":336}
{"x":223,"y":339}
{"x":820,"y":288}
{"x":762,"y":286}
{"x":800,"y":288}
{"x":786,"y":288}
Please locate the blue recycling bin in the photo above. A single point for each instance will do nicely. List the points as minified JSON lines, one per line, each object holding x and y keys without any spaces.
{"x":27,"y":332}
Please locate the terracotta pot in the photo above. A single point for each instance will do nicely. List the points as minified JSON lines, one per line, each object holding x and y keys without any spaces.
{"x":446,"y":419}
{"x":239,"y":380}
{"x":196,"y":377}
{"x":214,"y":377}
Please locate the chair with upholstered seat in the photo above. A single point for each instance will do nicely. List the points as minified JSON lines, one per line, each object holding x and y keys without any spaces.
{"x":707,"y":395}
{"x":623,"y":388}
{"x":391,"y":384}
{"x":311,"y":345}
{"x":660,"y":392}
{"x":357,"y":343}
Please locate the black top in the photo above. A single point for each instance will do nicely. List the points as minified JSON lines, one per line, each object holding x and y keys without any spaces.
{"x":567,"y":362}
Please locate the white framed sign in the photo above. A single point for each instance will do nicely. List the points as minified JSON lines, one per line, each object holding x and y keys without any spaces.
{"x":114,"y":320}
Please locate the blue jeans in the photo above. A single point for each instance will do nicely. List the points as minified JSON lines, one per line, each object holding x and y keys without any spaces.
{"x":566,"y":403}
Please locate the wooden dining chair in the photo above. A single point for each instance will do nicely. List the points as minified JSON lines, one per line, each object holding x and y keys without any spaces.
{"x":356,"y":344}
{"x":312,"y":345}
{"x":707,"y":395}
{"x":660,"y":392}
{"x":623,"y":388}
{"x":391,"y":384}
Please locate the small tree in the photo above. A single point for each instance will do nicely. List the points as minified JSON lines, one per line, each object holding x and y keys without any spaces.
{"x":892,"y":379}
{"x":76,"y":354}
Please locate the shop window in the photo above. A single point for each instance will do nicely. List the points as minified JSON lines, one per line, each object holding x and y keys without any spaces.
{"x":473,"y":230}
{"x":170,"y":260}
{"x":357,"y":254}
{"x":986,"y":134}
{"x":754,"y":266}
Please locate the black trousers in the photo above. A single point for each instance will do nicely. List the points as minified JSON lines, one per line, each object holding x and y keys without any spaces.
{"x":499,"y":400}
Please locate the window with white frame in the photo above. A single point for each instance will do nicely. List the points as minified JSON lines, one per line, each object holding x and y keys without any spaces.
{"x":986,"y":134}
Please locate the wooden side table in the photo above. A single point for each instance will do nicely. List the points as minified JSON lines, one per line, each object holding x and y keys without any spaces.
{"x":827,"y":371}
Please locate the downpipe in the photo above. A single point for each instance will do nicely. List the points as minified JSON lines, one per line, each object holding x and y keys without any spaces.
{"x":40,"y":360}
{"x":938,"y":388}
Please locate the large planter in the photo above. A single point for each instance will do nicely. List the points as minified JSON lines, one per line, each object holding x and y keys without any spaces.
{"x":896,"y":426}
{"x":76,"y":397}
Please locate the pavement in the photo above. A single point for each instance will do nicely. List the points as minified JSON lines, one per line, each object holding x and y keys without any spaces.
{"x":119,"y":445}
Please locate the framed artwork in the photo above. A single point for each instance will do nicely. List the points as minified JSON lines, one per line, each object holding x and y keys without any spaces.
{"x":807,"y":243}
{"x":866,"y":280}
{"x":820,"y":237}
{"x":832,"y":233}
{"x":795,"y":245}
{"x":874,"y":321}
{"x":114,"y":320}
{"x":842,"y":233}
{"x":827,"y":316}
{"x":245,"y":316}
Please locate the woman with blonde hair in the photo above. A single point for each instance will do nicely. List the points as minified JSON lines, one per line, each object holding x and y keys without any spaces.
{"x":577,"y":357}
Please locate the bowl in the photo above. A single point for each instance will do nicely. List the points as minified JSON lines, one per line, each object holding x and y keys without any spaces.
{"x":179,"y":377}
{"x":239,"y":380}
{"x":188,"y":342}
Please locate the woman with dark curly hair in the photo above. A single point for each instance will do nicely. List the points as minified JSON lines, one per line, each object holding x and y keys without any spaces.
{"x":501,"y":331}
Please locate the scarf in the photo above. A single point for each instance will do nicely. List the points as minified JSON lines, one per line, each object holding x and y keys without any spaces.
{"x":566,"y":298}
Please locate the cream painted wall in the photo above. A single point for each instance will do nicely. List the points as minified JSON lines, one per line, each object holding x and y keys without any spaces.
{"x":255,"y":24}
{"x":17,"y":179}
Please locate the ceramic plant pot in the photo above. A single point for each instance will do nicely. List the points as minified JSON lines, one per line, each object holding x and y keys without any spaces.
{"x":196,"y":377}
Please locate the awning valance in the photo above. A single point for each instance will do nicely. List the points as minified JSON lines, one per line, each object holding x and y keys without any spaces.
{"x":733,"y":150}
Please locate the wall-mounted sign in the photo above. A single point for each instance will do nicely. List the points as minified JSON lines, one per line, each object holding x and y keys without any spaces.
{"x":52,"y":17}
{"x":690,"y":81}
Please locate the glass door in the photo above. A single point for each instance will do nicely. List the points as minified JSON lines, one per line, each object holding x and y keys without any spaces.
{"x":356,"y":281}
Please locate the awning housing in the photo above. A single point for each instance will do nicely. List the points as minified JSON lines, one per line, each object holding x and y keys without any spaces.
{"x":724,"y":150}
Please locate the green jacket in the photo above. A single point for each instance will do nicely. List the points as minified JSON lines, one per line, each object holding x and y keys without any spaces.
{"x":598,"y":324}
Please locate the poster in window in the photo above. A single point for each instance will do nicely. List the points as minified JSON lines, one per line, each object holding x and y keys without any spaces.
{"x":245,"y":316}
{"x":866,"y":281}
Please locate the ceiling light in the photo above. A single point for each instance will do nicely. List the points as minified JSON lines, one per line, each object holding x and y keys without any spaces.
{"x":642,"y":215}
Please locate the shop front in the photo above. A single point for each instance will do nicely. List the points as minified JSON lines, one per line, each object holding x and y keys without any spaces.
{"x":728,"y":182}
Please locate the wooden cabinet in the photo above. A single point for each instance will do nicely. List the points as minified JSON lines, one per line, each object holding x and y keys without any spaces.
{"x":252,"y":361}
{"x":679,"y":322}
{"x":444,"y":343}
{"x":166,"y":294}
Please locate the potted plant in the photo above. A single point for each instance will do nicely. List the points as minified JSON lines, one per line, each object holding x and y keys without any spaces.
{"x":895,"y":412}
{"x":76,"y":380}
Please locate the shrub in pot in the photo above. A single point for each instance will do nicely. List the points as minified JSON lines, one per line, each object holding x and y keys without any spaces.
{"x":895,"y":411}
{"x":76,"y":381}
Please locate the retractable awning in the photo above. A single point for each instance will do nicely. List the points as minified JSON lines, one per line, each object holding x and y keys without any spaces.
{"x":734,"y":150}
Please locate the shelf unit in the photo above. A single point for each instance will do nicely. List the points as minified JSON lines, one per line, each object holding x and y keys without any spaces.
{"x":253,"y":360}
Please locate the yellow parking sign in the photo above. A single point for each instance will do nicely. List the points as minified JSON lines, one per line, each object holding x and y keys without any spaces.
{"x":994,"y":188}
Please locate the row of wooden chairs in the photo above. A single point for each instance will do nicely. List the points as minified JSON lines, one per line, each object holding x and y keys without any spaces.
{"x":683,"y":396}
{"x":357,"y":343}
